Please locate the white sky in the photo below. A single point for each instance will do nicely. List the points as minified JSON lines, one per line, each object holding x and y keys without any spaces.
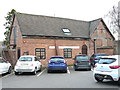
{"x":86,"y":10}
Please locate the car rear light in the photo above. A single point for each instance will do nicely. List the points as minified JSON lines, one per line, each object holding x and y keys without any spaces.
{"x":17,"y":64}
{"x":89,"y":61}
{"x":114,"y":67}
{"x":95,"y":59}
{"x":65,"y":67}
{"x":95,"y":66}
{"x":32,"y":64}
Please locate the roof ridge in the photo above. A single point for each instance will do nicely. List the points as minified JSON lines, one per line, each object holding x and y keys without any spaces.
{"x":95,"y":20}
{"x":53,"y":17}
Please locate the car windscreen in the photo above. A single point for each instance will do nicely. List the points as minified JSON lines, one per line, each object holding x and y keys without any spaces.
{"x":106,"y":60}
{"x":25,"y":59}
{"x":56,"y":59}
{"x":82,"y":58}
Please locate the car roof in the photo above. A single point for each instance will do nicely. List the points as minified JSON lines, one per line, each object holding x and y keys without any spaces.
{"x":111,"y":56}
{"x":100,"y":54}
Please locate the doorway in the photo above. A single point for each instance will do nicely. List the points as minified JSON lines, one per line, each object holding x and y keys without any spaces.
{"x":84,"y":49}
{"x":18,"y":53}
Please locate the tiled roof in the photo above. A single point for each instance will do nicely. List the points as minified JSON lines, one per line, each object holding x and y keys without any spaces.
{"x":52,"y":26}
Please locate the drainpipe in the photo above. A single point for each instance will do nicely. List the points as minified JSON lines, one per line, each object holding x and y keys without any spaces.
{"x":95,"y":46}
{"x":56,"y":48}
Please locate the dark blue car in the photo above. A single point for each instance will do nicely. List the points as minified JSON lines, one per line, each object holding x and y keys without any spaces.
{"x":96,"y":57}
{"x":57,"y":63}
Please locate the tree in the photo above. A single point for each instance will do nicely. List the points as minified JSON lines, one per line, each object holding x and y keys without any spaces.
{"x":114,"y":20}
{"x":8,"y":24}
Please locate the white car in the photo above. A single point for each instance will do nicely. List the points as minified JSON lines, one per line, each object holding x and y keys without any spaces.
{"x":27,"y":63}
{"x":5,"y":66}
{"x":108,"y":67}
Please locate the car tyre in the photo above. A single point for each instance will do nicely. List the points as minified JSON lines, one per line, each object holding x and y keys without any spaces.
{"x":75,"y":68}
{"x":89,"y":69}
{"x":16,"y":73}
{"x":40,"y":68}
{"x":119,"y":81}
{"x":35,"y":71}
{"x":65,"y":71}
{"x":48,"y":71}
{"x":98,"y":79}
{"x":10,"y":70}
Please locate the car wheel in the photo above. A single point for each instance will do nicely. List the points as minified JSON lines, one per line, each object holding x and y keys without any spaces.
{"x":40,"y":68}
{"x":89,"y":69}
{"x":75,"y":68}
{"x":10,"y":70}
{"x":65,"y":71}
{"x":98,"y":79}
{"x":35,"y":71}
{"x":48,"y":71}
{"x":16,"y":73}
{"x":119,"y":81}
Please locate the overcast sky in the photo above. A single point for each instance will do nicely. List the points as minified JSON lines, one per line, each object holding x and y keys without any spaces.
{"x":86,"y":10}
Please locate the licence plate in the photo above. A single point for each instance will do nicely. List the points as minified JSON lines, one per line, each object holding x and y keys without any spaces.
{"x":24,"y":64}
{"x":82,"y":62}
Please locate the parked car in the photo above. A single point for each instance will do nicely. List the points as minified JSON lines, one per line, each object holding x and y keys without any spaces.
{"x":5,"y":66}
{"x":82,"y":62}
{"x":96,"y":57}
{"x":108,"y":67}
{"x":57,"y":63}
{"x":27,"y":63}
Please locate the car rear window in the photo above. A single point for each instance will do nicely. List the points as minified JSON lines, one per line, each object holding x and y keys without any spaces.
{"x":106,"y":60}
{"x":82,"y":58}
{"x":101,"y":54}
{"x":25,"y":59}
{"x":56,"y":59}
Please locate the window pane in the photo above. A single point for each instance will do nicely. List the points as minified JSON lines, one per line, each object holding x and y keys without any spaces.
{"x":68,"y":53}
{"x":40,"y":52}
{"x":37,"y":49}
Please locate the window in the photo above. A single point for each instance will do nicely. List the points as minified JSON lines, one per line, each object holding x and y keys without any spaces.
{"x":25,"y":59}
{"x":67,"y":53}
{"x":106,"y":60}
{"x":40,"y":52}
{"x":66,"y":31}
{"x":82,"y":58}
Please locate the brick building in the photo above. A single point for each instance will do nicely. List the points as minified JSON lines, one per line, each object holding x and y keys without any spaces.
{"x":47,"y":36}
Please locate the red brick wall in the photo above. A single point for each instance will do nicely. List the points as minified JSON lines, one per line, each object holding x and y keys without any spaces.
{"x":105,"y":39}
{"x":107,"y":51}
{"x":31,"y":44}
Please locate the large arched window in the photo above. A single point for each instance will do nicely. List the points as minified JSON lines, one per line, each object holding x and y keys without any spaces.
{"x":84,"y":49}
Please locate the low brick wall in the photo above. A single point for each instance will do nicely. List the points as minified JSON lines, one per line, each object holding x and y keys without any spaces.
{"x":106,"y":51}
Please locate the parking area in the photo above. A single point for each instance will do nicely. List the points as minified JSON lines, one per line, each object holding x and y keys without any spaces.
{"x":71,"y":79}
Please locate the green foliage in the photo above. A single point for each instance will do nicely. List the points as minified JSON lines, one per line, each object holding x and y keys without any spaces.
{"x":8,"y":23}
